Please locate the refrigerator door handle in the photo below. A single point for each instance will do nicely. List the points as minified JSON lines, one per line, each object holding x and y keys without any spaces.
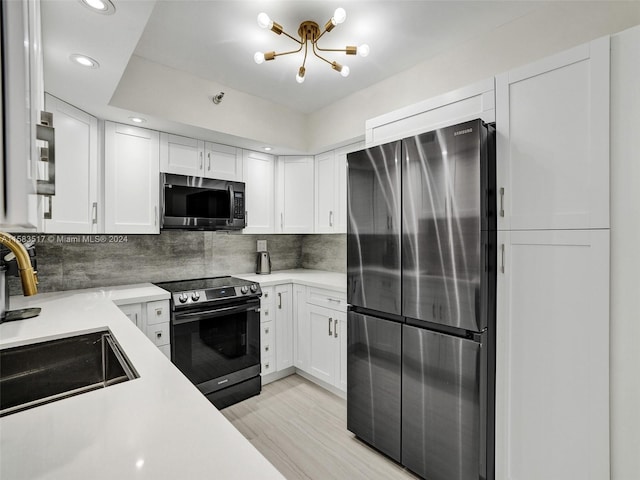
{"x":502,"y":257}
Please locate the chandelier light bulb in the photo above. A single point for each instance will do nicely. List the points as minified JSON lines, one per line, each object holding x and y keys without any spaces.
{"x":339,"y":16}
{"x":264,"y":21}
{"x":345,"y":71}
{"x":363,"y":50}
{"x":300,"y":75}
{"x":299,"y":79}
{"x":258,"y":57}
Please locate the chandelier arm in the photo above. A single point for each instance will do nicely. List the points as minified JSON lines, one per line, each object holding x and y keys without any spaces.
{"x":293,"y":38}
{"x":319,"y":56}
{"x":304,"y":60}
{"x":289,"y":52}
{"x":344,"y":50}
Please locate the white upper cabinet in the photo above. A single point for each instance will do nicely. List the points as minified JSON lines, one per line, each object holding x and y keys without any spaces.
{"x":181,"y":155}
{"x":552,"y":355}
{"x":74,"y":207}
{"x":331,"y":192}
{"x":259,"y":178}
{"x":222,"y":162}
{"x":131,"y":187}
{"x":295,"y":195}
{"x":552,"y":120}
{"x":188,"y":156}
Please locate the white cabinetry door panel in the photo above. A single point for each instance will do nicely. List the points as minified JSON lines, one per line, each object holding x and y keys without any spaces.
{"x":326,"y":192}
{"x":134,"y":312}
{"x":131,"y":179}
{"x":259,"y":178}
{"x":222,"y":162}
{"x":284,"y":326}
{"x":181,"y":155}
{"x":552,"y":372}
{"x":295,"y":186}
{"x":74,"y":207}
{"x":552,"y":120}
{"x":321,"y":358}
{"x":302,"y":335}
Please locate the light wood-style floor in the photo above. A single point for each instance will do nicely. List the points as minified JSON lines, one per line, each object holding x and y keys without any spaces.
{"x":302,"y":430}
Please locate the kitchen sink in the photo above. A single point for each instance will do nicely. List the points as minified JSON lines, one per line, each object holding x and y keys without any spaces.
{"x":44,"y":372}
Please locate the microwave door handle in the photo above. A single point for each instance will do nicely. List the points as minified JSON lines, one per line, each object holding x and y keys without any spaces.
{"x":231,"y":202}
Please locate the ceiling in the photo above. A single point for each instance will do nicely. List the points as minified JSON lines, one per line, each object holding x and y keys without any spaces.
{"x":216,"y":40}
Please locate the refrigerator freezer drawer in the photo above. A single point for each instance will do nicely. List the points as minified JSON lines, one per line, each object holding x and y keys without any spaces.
{"x":374,"y":372}
{"x":442,"y":420}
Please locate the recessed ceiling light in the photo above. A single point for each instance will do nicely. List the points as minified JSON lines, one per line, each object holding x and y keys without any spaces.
{"x":137,"y":119}
{"x":84,"y":60}
{"x":100,"y":6}
{"x":267,"y":149}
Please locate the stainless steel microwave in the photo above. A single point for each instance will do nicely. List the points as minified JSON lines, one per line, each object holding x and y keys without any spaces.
{"x":196,"y":203}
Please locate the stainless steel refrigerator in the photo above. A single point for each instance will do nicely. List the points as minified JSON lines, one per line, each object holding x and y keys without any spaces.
{"x":421,"y":287}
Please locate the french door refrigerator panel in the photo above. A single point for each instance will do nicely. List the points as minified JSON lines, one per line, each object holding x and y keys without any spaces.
{"x":443,"y":432}
{"x":445,"y":244}
{"x":374,"y":371}
{"x":373,"y":232}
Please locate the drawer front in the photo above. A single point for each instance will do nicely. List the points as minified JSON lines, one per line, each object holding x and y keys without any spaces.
{"x":266,"y":340}
{"x":266,"y":304}
{"x":159,"y":333}
{"x":327,"y":298}
{"x":158,"y":312}
{"x":268,"y":366}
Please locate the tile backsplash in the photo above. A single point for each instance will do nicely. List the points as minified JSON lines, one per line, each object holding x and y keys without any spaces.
{"x":68,"y":262}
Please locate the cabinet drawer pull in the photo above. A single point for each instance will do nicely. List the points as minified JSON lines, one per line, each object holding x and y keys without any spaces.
{"x":502,"y":201}
{"x":159,"y":334}
{"x":266,"y":348}
{"x":158,"y":311}
{"x":266,"y":312}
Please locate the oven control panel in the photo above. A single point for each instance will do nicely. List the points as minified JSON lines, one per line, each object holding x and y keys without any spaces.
{"x":213,"y":294}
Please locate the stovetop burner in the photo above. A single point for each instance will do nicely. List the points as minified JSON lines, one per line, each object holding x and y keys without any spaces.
{"x":207,"y":290}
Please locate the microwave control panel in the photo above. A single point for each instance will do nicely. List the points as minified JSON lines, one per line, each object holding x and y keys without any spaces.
{"x":238,"y":205}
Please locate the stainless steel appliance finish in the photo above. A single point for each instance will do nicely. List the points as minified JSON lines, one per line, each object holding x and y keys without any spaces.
{"x":444,"y":289}
{"x":196,"y":203}
{"x":215,"y":336}
{"x":263,"y":263}
{"x":441,"y":405}
{"x":373,"y":229}
{"x":444,"y":248}
{"x":374,"y":371}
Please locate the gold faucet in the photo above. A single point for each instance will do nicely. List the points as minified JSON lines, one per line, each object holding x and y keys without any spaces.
{"x":27,"y":274}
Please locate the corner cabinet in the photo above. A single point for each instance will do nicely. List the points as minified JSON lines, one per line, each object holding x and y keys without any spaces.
{"x":295,"y":195}
{"x":188,"y":156}
{"x":131,"y":188}
{"x":552,"y":140}
{"x":259,"y":178}
{"x":153,"y":319}
{"x":74,"y":207}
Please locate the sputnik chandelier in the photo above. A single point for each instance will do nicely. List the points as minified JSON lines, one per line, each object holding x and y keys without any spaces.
{"x":310,"y":33}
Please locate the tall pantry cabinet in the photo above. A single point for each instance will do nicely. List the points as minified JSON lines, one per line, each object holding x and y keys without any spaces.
{"x":552,"y":373}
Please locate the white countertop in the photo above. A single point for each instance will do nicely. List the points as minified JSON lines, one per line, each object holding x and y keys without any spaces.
{"x":311,"y":278}
{"x":158,"y":426}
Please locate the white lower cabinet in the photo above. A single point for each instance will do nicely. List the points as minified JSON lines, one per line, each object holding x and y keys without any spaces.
{"x":153,"y":319}
{"x":552,"y":355}
{"x":327,"y":345}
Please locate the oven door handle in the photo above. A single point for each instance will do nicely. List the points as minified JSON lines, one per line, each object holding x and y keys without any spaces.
{"x":181,"y":318}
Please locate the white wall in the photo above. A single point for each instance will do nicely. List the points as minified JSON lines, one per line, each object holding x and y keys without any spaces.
{"x":567,"y":24}
{"x":625,"y":255}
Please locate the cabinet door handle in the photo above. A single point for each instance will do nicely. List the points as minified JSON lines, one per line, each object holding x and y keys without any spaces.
{"x":94,"y":213}
{"x":48,"y":215}
{"x":209,"y":161}
{"x":502,"y":256}
{"x":155,"y":216}
{"x":281,"y":221}
{"x":201,"y":161}
{"x":335,"y":327}
{"x":502,"y":201}
{"x":330,"y":332}
{"x":280,"y":301}
{"x":246,"y":218}
{"x":330,"y":218}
